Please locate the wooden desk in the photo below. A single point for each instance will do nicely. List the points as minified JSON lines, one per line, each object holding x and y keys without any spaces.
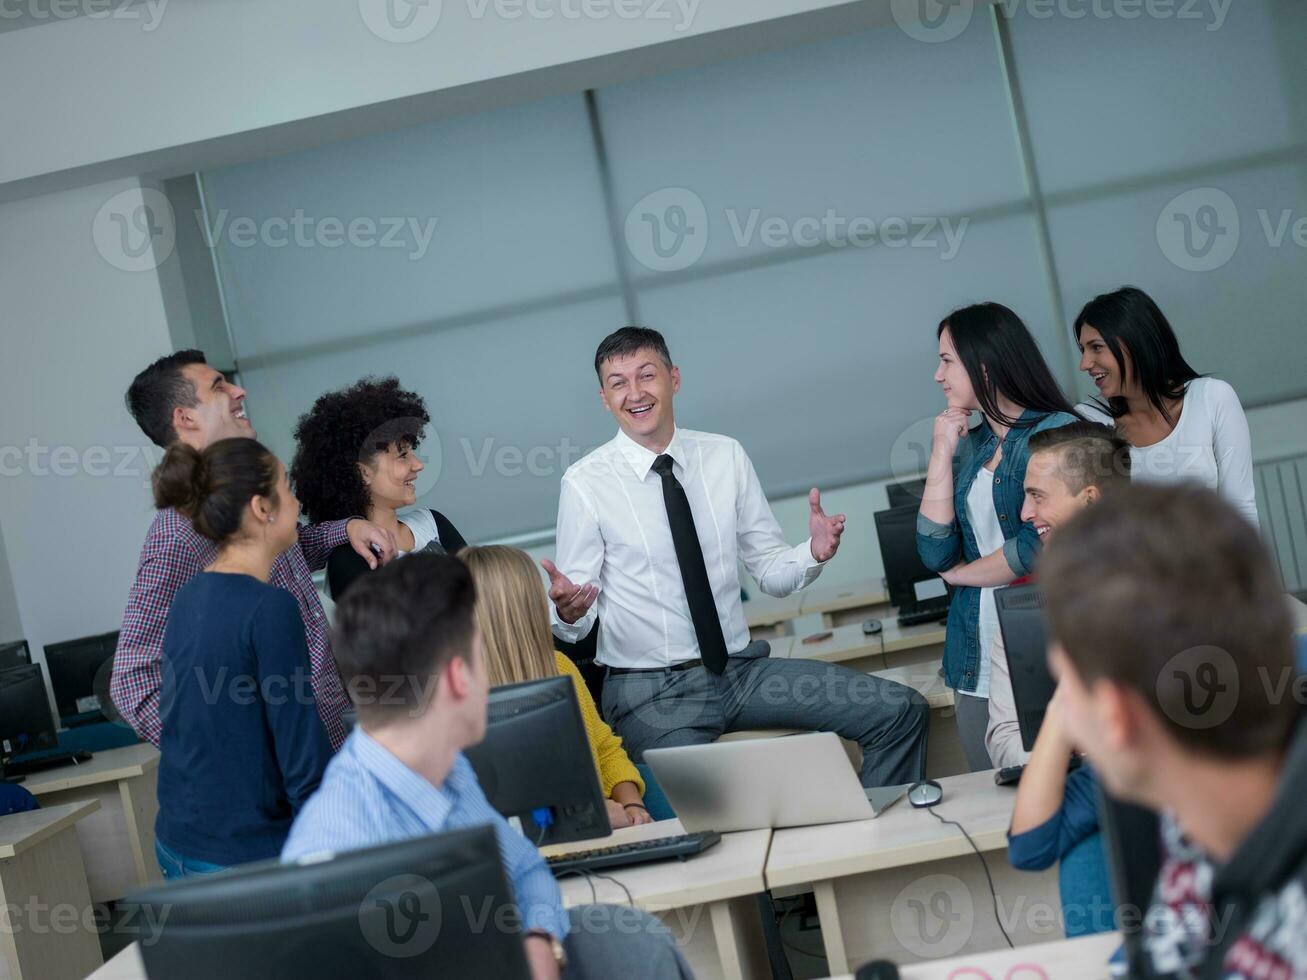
{"x":768,"y":616}
{"x":707,"y":902}
{"x":117,"y":841}
{"x":907,"y":887}
{"x":47,"y":925}
{"x":1085,"y":958}
{"x":894,"y":646}
{"x":851,"y":602}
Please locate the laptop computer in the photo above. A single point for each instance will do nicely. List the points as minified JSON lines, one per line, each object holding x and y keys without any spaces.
{"x":756,"y":784}
{"x":1025,"y":635}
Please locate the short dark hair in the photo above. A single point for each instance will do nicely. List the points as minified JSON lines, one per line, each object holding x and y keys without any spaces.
{"x":213,"y":487}
{"x":159,"y":389}
{"x":345,"y":428}
{"x":627,"y":341}
{"x":397,"y":628}
{"x":1157,"y":586}
{"x":1092,"y":454}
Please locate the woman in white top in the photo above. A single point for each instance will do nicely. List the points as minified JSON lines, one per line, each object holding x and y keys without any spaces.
{"x":1181,"y":427}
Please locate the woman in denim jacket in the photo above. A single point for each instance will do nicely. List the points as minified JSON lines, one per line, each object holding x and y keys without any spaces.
{"x":969,"y":528}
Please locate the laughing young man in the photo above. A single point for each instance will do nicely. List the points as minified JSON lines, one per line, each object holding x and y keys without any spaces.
{"x":181,"y":398}
{"x":653,"y":526}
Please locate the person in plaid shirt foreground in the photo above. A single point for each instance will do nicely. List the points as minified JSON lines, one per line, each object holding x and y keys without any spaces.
{"x":181,"y":398}
{"x":1172,"y":643}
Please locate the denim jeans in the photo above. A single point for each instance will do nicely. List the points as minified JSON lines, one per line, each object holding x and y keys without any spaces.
{"x":174,"y":866}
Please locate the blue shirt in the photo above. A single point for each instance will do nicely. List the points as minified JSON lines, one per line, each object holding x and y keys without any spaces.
{"x":368,"y":798}
{"x":1075,"y":820}
{"x":242,"y":745}
{"x":942,"y":546}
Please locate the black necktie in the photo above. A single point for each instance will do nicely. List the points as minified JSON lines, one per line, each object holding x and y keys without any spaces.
{"x":694,"y":573}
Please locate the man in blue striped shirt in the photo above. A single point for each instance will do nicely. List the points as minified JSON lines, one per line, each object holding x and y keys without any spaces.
{"x":408,"y":648}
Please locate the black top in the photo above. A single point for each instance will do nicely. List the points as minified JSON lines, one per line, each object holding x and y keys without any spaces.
{"x":345,"y":564}
{"x":242,"y":744}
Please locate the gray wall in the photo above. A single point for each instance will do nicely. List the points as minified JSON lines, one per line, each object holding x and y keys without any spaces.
{"x":817,"y":356}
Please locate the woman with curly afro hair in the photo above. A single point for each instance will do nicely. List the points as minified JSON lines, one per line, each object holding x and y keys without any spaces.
{"x":356,"y":456}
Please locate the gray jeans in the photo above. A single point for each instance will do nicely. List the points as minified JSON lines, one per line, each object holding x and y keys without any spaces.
{"x":654,"y":709}
{"x":608,"y":941}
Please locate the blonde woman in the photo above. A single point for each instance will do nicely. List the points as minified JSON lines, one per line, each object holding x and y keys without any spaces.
{"x":512,"y":613}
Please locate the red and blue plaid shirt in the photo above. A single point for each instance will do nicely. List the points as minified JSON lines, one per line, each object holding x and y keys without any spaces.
{"x":174,"y":553}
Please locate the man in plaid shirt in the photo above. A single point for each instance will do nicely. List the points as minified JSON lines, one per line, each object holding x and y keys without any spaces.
{"x":181,"y":397}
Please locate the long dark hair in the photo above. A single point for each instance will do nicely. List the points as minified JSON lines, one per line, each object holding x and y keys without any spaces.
{"x":214,"y":487}
{"x":1002,"y":359}
{"x":1128,"y":318}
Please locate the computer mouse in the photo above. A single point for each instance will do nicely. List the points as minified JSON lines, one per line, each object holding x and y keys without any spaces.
{"x":871,"y":626}
{"x":877,"y":970}
{"x":925,"y":793}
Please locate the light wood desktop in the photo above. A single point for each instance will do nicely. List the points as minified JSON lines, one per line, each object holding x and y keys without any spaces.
{"x":707,"y":902}
{"x":117,"y":841}
{"x":907,"y":887}
{"x":47,"y":926}
{"x":851,"y":602}
{"x":1085,"y":958}
{"x":768,"y":616}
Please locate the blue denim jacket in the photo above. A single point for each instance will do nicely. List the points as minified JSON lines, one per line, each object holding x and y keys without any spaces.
{"x":942,"y":546}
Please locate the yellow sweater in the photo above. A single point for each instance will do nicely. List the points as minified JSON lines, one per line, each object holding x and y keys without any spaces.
{"x":610,"y":758}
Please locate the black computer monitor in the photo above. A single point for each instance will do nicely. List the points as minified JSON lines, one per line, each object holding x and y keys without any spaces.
{"x":910,"y":583}
{"x":907,"y":494}
{"x":1021,"y":621}
{"x":14,"y":654}
{"x":79,"y":674}
{"x":436,"y":906}
{"x":1132,"y":847}
{"x":25,"y":721}
{"x":536,"y":757}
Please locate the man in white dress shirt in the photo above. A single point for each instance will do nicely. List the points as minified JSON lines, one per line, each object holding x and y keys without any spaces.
{"x":652,"y":525}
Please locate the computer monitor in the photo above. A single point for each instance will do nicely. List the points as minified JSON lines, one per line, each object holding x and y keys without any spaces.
{"x":1021,"y":621}
{"x":25,"y":721}
{"x":1132,"y":847}
{"x":14,"y":654}
{"x":910,"y":583}
{"x":79,"y":674}
{"x":436,"y":906}
{"x":536,"y":758}
{"x":907,"y":494}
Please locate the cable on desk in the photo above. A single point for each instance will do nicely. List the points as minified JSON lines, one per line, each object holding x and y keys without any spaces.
{"x":993,"y":894}
{"x":590,"y":876}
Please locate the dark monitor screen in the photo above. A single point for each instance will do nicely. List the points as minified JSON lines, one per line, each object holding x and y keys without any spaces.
{"x":1021,"y":620}
{"x":437,"y":906}
{"x":79,"y":674}
{"x":906,"y":494}
{"x":1132,"y":847}
{"x":14,"y":654}
{"x":536,"y":756}
{"x":907,"y":578}
{"x":25,"y":721}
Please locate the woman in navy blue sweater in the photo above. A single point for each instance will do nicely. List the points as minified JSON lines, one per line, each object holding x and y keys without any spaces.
{"x":242,"y":744}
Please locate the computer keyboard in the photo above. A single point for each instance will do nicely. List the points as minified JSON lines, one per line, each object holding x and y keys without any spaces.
{"x":636,"y":852}
{"x":923,"y":616}
{"x":25,"y":765}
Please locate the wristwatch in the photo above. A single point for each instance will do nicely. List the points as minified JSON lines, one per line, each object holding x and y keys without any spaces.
{"x":555,"y":947}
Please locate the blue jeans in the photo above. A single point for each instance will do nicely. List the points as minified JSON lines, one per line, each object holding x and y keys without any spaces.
{"x":174,"y":866}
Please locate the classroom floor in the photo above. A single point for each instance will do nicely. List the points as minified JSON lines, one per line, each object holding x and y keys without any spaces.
{"x":801,"y":936}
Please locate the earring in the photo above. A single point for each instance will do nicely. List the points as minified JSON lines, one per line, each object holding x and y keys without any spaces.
{"x":271,"y":518}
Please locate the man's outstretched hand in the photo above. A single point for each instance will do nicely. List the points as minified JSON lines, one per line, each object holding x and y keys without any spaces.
{"x":571,"y":601}
{"x":825,"y":531}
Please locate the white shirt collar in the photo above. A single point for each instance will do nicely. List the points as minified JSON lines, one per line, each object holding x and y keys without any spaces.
{"x":642,"y":459}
